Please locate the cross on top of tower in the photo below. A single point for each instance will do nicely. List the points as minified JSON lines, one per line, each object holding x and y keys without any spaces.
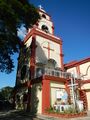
{"x":40,"y":7}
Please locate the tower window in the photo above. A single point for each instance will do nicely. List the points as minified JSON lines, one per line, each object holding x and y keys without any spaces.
{"x":43,"y":16}
{"x":45,"y":28}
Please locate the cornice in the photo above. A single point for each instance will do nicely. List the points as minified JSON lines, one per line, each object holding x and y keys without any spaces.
{"x":36,"y":31}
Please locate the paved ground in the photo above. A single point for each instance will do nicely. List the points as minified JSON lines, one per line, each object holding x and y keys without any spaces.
{"x":51,"y":118}
{"x":15,"y":115}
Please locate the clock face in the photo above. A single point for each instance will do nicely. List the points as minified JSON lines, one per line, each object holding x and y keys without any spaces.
{"x":45,"y":28}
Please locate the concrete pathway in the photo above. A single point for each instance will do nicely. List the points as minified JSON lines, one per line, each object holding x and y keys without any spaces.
{"x":16,"y":115}
{"x":19,"y":115}
{"x":44,"y":117}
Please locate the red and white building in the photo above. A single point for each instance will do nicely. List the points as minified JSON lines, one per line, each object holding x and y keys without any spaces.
{"x":81,"y":70}
{"x":42,"y":73}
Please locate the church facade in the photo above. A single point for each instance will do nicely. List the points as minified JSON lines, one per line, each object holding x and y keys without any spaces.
{"x":43,"y":80}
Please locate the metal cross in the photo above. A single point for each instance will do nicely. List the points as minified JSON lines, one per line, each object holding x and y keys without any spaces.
{"x":72,"y":87}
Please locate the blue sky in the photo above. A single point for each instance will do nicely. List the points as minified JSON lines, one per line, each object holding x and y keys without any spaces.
{"x":72,"y":23}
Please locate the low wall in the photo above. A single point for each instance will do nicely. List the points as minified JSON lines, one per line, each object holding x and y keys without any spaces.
{"x":65,"y":115}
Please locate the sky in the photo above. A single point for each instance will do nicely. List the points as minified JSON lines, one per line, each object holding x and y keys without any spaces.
{"x":71,"y":20}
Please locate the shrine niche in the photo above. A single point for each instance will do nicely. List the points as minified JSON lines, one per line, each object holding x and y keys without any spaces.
{"x":61,"y":96}
{"x":51,"y":63}
{"x":58,"y":93}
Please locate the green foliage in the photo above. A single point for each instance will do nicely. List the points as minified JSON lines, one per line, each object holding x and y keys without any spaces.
{"x":1,"y":96}
{"x":6,"y":93}
{"x":50,"y":109}
{"x":13,"y":13}
{"x":70,"y":110}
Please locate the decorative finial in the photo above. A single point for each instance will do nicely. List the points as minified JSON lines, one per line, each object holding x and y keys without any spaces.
{"x":40,"y":7}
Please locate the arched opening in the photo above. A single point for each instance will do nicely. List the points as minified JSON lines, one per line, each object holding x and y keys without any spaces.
{"x":44,"y":16}
{"x":45,"y":28}
{"x":51,"y":63}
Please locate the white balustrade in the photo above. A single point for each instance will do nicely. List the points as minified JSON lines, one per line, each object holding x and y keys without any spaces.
{"x":52,"y":72}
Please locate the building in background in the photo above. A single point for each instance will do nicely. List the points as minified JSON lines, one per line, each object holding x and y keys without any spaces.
{"x":81,"y":71}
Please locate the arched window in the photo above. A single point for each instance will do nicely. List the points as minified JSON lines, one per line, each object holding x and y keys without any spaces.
{"x":43,"y":16}
{"x":45,"y":28}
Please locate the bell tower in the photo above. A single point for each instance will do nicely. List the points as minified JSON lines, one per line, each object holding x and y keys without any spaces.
{"x":44,"y":48}
{"x":45,"y":23}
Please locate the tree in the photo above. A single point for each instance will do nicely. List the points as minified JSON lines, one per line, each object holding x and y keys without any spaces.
{"x":6,"y":93}
{"x":1,"y":96}
{"x":13,"y":13}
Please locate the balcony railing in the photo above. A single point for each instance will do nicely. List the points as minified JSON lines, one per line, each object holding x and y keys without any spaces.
{"x":52,"y":72}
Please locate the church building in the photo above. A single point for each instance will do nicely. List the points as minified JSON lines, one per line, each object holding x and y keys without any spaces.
{"x":43,"y":80}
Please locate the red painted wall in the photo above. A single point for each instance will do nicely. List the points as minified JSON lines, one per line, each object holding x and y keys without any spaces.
{"x":45,"y":95}
{"x":33,"y":57}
